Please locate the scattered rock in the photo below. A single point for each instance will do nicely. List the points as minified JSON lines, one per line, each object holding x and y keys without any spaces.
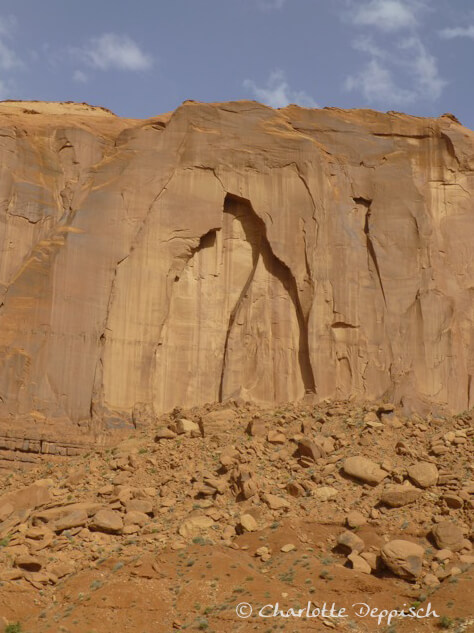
{"x":372,"y":420}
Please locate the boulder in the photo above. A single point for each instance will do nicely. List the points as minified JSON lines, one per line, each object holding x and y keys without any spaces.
{"x":325,"y":493}
{"x":107,"y":521}
{"x":351,"y":542}
{"x":276,"y":437}
{"x":355,"y":519}
{"x":359,"y":563}
{"x":28,"y":498}
{"x":403,"y":558}
{"x":423,"y":474}
{"x":163,"y":433}
{"x":257,"y":428}
{"x":73,"y":519}
{"x":139,"y":505}
{"x":195,"y":526}
{"x":364,"y":469}
{"x":28,"y":563}
{"x":398,"y":496}
{"x":308,"y":448}
{"x":248,"y":523}
{"x":448,"y":535}
{"x":274,"y":502}
{"x":184,"y":425}
{"x":217,"y":422}
{"x":135,"y":517}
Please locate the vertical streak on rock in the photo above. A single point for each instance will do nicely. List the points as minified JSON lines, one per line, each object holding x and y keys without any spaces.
{"x":235,"y":310}
{"x":370,"y":246}
{"x":280,"y":270}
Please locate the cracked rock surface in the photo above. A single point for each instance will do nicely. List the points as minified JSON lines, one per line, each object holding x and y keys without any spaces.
{"x":231,"y":250}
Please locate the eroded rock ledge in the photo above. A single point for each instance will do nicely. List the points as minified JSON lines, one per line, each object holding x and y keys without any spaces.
{"x":229,"y":250}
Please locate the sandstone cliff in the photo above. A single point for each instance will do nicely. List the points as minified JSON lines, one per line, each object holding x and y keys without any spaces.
{"x":228,"y":249}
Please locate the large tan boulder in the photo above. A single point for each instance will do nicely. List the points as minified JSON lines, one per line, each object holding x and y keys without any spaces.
{"x":53,"y":515}
{"x":73,"y":519}
{"x":195,"y":526}
{"x":403,"y":558}
{"x":423,"y":474}
{"x":448,"y":535}
{"x":364,"y":469}
{"x":396,"y":496}
{"x":107,"y":521}
{"x":28,"y":498}
{"x":274,"y":502}
{"x":248,"y":523}
{"x":350,"y":541}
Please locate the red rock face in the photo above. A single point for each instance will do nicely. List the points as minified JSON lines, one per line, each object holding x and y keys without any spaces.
{"x":231,"y":249}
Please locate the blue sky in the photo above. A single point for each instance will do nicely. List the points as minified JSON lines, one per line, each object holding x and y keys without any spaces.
{"x":145,"y":57}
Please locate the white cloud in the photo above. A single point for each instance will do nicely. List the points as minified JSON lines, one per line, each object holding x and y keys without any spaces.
{"x":400,"y":70}
{"x":269,"y":5}
{"x":7,"y":25}
{"x":376,"y":81}
{"x":9,"y":60}
{"x":366,"y":45}
{"x":423,"y":65}
{"x":458,"y":31}
{"x":277,"y":93}
{"x":80,"y":76}
{"x":386,"y":15}
{"x":4,"y":92}
{"x":112,"y":51}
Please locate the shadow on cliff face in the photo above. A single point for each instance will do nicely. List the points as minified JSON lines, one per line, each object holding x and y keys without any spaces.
{"x":255,"y":233}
